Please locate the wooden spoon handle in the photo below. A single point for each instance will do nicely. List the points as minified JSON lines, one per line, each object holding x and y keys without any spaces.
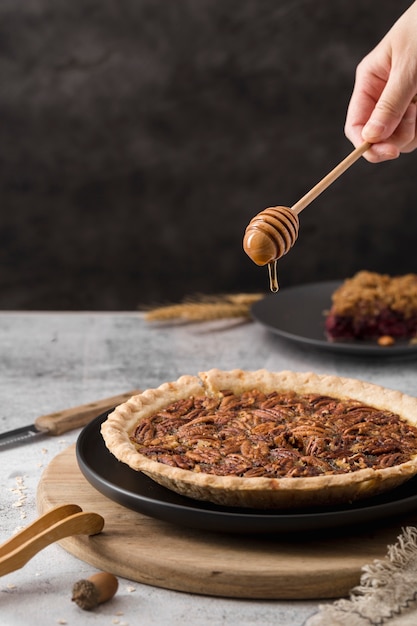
{"x":75,"y":417}
{"x":330,"y":178}
{"x":45,"y":530}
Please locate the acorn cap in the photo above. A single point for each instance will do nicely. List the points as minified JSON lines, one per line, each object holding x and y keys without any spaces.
{"x":85,"y":594}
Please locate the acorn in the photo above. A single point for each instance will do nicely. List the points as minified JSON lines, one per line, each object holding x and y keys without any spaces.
{"x":98,"y":588}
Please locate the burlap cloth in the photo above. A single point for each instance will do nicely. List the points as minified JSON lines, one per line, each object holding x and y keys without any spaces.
{"x":386,"y":594}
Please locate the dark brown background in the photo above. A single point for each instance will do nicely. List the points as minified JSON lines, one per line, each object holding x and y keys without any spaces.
{"x":139,"y":137}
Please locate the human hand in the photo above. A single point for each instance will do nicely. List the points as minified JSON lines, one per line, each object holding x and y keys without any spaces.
{"x":381,"y":109}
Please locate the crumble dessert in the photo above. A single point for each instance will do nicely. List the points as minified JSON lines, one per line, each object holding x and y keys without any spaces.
{"x":268,"y":439}
{"x":374,"y":306}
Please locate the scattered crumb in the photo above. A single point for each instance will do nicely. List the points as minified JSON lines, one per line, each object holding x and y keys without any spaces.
{"x":20,"y":492}
{"x":44,"y":451}
{"x":130,"y":589}
{"x":19,"y":528}
{"x":386,"y":340}
{"x":62,"y":621}
{"x":11,"y":586}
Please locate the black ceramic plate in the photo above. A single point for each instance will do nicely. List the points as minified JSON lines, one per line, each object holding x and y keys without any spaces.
{"x":297,"y":313}
{"x":138,"y":492}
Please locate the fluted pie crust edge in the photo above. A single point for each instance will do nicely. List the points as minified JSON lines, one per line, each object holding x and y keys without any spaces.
{"x":260,"y":492}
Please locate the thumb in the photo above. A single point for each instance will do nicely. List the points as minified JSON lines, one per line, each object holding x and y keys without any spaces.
{"x":387,"y":114}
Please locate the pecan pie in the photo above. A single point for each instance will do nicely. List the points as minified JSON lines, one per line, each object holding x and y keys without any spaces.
{"x":268,"y":439}
{"x":371,"y":305}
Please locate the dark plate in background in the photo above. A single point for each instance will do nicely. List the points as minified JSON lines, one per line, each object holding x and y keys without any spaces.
{"x":297,"y":313}
{"x":136,"y":491}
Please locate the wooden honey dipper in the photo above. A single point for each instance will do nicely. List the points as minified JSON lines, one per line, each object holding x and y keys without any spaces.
{"x":273,"y":231}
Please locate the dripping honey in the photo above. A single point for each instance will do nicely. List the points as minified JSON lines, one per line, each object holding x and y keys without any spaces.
{"x":273,"y":276}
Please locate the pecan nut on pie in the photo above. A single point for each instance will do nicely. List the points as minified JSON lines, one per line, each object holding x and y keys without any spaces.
{"x":268,"y":439}
{"x":371,"y":305}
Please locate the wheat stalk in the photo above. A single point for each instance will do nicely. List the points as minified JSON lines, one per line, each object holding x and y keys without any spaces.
{"x":205,"y":308}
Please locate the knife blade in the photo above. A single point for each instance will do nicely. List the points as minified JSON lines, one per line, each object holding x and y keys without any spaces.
{"x":61,"y":422}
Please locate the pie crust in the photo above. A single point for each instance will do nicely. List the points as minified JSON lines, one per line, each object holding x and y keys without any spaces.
{"x":260,"y":492}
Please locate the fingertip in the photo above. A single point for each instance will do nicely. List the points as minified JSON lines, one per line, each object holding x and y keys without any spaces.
{"x":354,"y":134}
{"x":382,"y":152}
{"x":373,"y":131}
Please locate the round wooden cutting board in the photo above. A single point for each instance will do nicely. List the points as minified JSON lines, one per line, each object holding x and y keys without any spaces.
{"x":146,"y":550}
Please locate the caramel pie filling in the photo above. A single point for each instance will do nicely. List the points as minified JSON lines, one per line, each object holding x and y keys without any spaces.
{"x":274,"y":435}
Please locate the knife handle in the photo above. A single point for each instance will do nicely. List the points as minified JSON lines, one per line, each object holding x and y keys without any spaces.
{"x":75,"y":417}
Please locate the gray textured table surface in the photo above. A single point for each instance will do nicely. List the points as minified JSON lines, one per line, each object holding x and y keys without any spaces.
{"x":51,"y":361}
